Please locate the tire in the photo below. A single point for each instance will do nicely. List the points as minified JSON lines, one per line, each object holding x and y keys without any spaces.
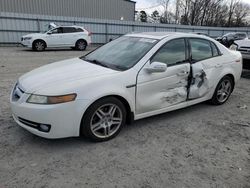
{"x":81,"y":45}
{"x":73,"y":48}
{"x":103,"y":120}
{"x":39,"y":45}
{"x":223,"y":91}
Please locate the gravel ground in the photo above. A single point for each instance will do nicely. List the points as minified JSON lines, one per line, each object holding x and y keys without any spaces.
{"x":199,"y":146}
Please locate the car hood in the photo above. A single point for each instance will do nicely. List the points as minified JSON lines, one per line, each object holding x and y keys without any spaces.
{"x":245,"y":42}
{"x":61,"y":72}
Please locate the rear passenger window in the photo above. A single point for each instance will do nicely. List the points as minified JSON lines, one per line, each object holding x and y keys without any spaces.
{"x":215,"y":50}
{"x":69,"y":30}
{"x":200,"y":49}
{"x":79,"y":30}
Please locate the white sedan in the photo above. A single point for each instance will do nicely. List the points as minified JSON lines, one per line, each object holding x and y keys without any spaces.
{"x":133,"y":77}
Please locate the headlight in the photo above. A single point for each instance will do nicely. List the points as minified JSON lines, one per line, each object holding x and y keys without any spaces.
{"x":40,"y":99}
{"x":27,"y":38}
{"x":234,"y":47}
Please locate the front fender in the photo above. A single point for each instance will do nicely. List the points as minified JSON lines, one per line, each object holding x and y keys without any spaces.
{"x":126,"y":93}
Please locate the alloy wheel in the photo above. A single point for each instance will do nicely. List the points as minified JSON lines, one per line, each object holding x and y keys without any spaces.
{"x":39,"y":46}
{"x":81,"y":45}
{"x":106,"y":121}
{"x":224,"y":90}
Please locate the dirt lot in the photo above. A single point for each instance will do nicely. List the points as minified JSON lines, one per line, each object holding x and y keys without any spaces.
{"x":200,"y":146}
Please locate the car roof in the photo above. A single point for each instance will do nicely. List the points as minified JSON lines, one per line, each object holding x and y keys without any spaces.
{"x":161,"y":35}
{"x":74,"y":26}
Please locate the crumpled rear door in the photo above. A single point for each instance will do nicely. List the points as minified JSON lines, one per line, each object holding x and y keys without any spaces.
{"x":205,"y":76}
{"x":199,"y":85}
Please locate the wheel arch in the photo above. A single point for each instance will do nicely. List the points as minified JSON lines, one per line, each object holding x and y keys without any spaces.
{"x":130,"y":113}
{"x":229,"y":75}
{"x":232,"y":77}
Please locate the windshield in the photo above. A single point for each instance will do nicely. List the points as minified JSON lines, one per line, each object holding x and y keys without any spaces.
{"x":122,"y":53}
{"x":241,"y":35}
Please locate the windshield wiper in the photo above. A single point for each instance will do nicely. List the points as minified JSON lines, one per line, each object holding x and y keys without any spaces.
{"x":94,"y":61}
{"x":111,"y":66}
{"x":118,"y":67}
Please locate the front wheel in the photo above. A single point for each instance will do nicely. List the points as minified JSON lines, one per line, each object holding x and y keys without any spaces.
{"x":223,"y":91}
{"x":104,"y":119}
{"x":39,"y":45}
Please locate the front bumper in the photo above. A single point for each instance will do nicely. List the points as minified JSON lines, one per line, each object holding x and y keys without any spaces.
{"x":64,"y":119}
{"x":26,"y":43}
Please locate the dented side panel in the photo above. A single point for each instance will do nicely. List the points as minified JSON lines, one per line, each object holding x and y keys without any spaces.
{"x":205,"y":76}
{"x":160,"y":90}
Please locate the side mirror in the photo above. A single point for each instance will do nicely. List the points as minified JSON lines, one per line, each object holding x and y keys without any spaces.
{"x":156,"y":67}
{"x":49,"y":33}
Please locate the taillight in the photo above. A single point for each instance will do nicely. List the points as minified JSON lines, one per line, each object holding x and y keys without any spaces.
{"x":89,"y":33}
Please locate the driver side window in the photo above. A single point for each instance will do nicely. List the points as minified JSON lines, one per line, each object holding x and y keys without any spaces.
{"x":171,"y":53}
{"x":56,"y":31}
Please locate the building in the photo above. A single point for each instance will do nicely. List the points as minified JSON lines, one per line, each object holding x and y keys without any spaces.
{"x":103,"y":9}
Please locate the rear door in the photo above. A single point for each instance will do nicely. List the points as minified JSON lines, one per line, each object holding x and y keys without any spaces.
{"x":207,"y":64}
{"x":69,"y":36}
{"x":160,"y":90}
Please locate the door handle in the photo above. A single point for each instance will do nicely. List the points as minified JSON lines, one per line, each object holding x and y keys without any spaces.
{"x":218,"y":65}
{"x":182,"y":73}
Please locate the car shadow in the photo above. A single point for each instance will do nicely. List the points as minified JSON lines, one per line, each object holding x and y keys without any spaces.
{"x":50,"y":50}
{"x":246,"y":64}
{"x":246,"y":74}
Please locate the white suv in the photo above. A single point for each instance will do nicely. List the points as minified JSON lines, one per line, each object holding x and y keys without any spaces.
{"x":63,"y":36}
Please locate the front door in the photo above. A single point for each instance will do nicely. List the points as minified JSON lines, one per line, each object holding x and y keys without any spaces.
{"x":55,"y":37}
{"x":160,"y":90}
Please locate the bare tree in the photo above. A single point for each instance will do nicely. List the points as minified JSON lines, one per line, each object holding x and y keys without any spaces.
{"x":232,"y":6}
{"x":241,"y":11}
{"x":205,"y":12}
{"x":166,"y":13}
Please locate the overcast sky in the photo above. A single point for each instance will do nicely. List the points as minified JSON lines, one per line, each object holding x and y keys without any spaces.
{"x":151,"y":5}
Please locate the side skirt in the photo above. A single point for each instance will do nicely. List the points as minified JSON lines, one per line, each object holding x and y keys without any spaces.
{"x":172,"y":108}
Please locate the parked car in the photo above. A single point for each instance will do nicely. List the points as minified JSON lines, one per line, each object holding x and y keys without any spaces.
{"x":243,"y":46}
{"x":62,"y":36}
{"x":229,"y":38}
{"x":133,"y":77}
{"x":201,"y":33}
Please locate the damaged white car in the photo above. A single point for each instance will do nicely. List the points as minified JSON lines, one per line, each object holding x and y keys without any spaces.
{"x":130,"y":78}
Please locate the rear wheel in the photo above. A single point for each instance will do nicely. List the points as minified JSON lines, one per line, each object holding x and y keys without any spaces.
{"x":39,"y":45}
{"x":223,"y":91}
{"x":81,"y":45}
{"x":104,"y":119}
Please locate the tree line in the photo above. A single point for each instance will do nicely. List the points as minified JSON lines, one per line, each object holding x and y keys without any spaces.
{"x":225,"y":13}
